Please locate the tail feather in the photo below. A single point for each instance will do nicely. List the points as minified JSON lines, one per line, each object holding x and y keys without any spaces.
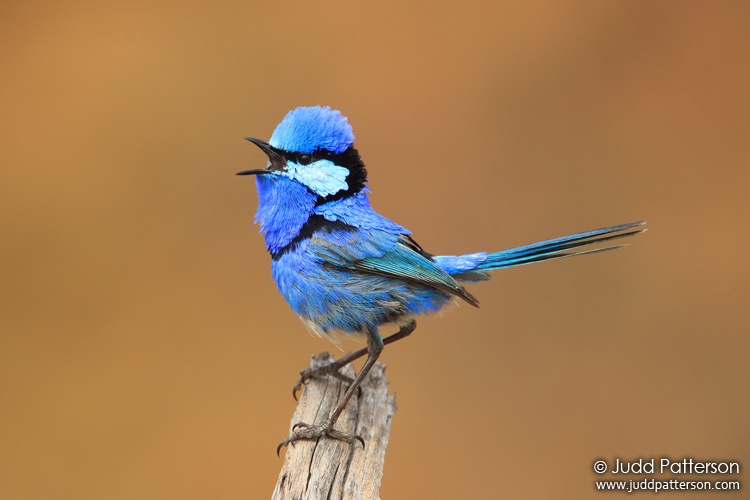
{"x":559,"y":247}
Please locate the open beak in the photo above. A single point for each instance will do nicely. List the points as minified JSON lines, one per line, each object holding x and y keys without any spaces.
{"x":275,"y":160}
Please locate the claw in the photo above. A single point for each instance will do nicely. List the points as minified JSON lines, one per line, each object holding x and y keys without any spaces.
{"x":301,"y":430}
{"x":296,"y":388}
{"x":331,"y":369}
{"x":299,"y":424}
{"x":278,"y":449}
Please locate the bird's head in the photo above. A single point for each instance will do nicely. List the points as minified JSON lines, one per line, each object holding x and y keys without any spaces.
{"x":314,"y":147}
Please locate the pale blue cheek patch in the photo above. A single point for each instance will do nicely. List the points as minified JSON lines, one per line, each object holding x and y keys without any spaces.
{"x":323,"y":177}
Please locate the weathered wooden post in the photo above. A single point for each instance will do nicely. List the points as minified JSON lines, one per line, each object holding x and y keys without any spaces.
{"x":332,"y":469}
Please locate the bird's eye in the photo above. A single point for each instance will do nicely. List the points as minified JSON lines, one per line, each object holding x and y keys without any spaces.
{"x":304,"y":159}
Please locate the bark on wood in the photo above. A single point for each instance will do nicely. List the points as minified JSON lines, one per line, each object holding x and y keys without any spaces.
{"x":332,"y":469}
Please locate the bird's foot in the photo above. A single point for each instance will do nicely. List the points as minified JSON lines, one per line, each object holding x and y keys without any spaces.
{"x":301,"y":430}
{"x":331,"y":369}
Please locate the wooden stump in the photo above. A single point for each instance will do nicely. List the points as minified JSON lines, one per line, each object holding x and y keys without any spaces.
{"x":332,"y":469}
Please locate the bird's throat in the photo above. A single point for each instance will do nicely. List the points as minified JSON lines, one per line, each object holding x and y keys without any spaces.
{"x":284,"y":206}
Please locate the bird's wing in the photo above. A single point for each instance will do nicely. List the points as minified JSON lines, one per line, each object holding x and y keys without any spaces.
{"x":384,"y":253}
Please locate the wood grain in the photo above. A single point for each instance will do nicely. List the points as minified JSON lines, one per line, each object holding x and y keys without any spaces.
{"x":332,"y":469}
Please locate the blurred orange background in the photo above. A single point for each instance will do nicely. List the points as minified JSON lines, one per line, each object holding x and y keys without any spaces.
{"x":145,"y":351}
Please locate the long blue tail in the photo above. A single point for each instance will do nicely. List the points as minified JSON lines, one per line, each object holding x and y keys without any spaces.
{"x":472,"y":267}
{"x":560,"y":247}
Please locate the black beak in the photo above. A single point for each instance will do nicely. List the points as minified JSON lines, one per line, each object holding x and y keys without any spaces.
{"x":276,"y":161}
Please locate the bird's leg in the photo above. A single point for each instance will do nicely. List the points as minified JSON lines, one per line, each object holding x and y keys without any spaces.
{"x":334,"y":367}
{"x":302,"y":430}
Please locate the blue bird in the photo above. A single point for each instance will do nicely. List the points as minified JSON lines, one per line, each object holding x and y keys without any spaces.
{"x":344,"y":268}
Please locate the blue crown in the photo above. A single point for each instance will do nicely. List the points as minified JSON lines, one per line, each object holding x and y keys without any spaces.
{"x":308,"y":129}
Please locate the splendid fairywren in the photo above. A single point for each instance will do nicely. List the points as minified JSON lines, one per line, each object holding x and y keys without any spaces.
{"x":343,"y":267}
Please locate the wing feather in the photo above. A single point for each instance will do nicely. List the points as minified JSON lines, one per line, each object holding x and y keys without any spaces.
{"x":386,"y":254}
